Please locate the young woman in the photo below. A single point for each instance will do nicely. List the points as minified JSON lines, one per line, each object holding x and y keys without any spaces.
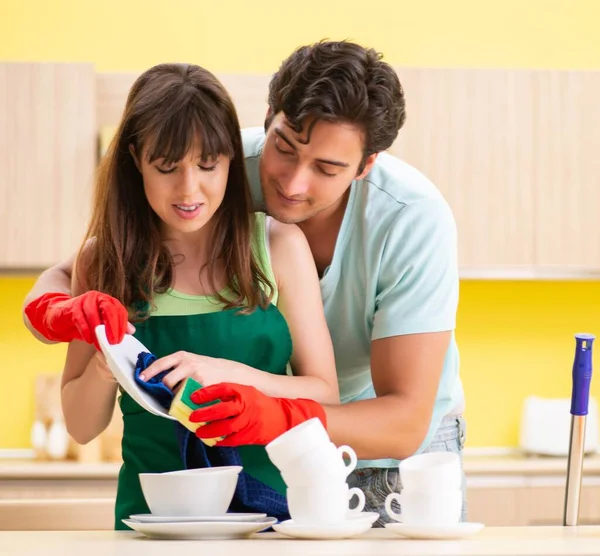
{"x":216,"y":291}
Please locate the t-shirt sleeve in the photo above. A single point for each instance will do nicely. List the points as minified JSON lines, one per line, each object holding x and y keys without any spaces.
{"x":417,"y":288}
{"x":253,"y":140}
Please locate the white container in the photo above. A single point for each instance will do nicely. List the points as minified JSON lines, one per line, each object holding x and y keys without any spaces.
{"x":194,"y":492}
{"x":546,"y":424}
{"x":57,"y":441}
{"x":431,"y":471}
{"x":306,"y":437}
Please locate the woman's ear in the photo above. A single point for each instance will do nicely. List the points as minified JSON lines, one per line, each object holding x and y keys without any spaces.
{"x":134,"y":156}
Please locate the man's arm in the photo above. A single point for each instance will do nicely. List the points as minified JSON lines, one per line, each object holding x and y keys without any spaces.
{"x":57,"y":278}
{"x":406,"y":372}
{"x":414,"y":318}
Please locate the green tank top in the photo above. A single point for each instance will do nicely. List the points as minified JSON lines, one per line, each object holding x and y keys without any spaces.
{"x":199,"y":324}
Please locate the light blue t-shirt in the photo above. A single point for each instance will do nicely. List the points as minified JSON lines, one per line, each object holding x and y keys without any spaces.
{"x":394,"y":272}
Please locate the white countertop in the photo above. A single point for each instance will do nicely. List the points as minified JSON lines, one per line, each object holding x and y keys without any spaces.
{"x":491,"y":541}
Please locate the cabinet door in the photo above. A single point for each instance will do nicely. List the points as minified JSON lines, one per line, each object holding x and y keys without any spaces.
{"x":568,"y":174}
{"x":544,"y":504}
{"x":47,"y":159}
{"x":496,"y":506}
{"x":471,"y":133}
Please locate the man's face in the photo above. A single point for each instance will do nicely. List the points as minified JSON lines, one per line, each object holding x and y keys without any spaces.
{"x":299,"y":179}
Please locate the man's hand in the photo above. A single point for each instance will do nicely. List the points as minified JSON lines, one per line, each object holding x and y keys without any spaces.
{"x":62,"y":318}
{"x":247,"y":416}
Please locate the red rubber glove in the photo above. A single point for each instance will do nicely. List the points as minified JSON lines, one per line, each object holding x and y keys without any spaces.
{"x":62,"y":318}
{"x":247,"y":416}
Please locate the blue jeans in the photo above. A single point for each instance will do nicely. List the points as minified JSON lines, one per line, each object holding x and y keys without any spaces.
{"x":378,"y":482}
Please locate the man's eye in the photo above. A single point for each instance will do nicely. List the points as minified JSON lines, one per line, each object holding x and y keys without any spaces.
{"x":280,"y":150}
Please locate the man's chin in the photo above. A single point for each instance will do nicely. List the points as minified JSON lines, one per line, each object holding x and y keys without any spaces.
{"x":284,"y":214}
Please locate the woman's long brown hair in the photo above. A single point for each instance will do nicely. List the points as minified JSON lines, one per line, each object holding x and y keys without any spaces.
{"x":167,"y":108}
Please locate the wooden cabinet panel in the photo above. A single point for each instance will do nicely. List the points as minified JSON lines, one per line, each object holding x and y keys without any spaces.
{"x":494,"y":506}
{"x":58,"y":488}
{"x":567,"y":180}
{"x":541,"y":505}
{"x":471,"y":133}
{"x":47,"y":159}
{"x":531,"y":504}
{"x":249,"y":94}
{"x":515,"y":153}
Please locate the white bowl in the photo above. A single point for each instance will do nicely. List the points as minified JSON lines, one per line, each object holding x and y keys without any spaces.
{"x":193,"y":492}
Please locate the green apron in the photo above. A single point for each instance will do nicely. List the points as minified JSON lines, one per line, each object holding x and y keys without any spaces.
{"x":261,"y":340}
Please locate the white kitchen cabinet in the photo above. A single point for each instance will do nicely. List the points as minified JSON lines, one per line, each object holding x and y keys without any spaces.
{"x":47,"y":160}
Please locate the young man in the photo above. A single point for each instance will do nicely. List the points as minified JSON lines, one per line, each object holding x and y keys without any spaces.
{"x":384,"y":243}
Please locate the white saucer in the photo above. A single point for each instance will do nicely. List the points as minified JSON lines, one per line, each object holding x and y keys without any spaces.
{"x":355,"y":525}
{"x":210,"y":530}
{"x":152,"y":518}
{"x":121,"y":359}
{"x":431,"y":532}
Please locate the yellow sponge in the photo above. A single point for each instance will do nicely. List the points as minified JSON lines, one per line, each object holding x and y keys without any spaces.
{"x":182,"y":407}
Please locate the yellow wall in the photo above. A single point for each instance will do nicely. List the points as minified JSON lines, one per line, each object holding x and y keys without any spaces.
{"x":245,"y":36}
{"x":23,"y":357}
{"x":516,"y":338}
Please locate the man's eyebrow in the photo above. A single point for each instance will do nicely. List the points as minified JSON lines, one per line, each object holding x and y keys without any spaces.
{"x":280,"y":133}
{"x":333,"y":162}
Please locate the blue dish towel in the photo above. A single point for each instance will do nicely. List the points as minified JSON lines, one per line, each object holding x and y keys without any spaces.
{"x":251,"y":495}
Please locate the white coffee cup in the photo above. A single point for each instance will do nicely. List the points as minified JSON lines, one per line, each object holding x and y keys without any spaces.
{"x":325,"y":504}
{"x":428,"y":507}
{"x":306,"y":437}
{"x":321,"y":465}
{"x":193,"y":492}
{"x":431,"y":471}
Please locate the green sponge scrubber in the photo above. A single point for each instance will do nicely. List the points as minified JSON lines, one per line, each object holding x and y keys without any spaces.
{"x":182,"y":407}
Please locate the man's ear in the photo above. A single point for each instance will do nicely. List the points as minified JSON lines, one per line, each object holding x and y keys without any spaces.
{"x":134,"y":156}
{"x":369,"y":161}
{"x":268,"y":118}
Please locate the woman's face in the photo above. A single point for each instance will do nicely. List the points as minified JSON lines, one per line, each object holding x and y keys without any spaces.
{"x":185,"y":195}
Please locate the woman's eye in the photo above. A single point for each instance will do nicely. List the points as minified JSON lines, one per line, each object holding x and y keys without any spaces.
{"x":208,"y":168}
{"x":166,"y":170}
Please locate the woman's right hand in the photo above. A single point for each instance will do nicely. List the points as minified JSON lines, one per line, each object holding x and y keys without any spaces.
{"x":62,"y":318}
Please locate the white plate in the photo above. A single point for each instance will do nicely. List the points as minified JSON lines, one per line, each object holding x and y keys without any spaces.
{"x":433,"y":532}
{"x":121,"y":359}
{"x":151,"y":518}
{"x":355,"y":525}
{"x":209,"y":530}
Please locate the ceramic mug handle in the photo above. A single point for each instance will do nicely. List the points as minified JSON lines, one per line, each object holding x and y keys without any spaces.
{"x":388,"y":505}
{"x":355,"y":491}
{"x":346,"y":450}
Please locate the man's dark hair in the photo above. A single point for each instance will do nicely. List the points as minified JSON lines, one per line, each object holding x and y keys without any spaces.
{"x":340,"y":82}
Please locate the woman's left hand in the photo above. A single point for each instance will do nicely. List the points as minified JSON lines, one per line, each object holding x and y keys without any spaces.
{"x":205,"y":370}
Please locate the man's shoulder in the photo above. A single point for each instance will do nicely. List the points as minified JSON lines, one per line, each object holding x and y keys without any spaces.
{"x":253,"y":139}
{"x":397,"y":196}
{"x":396,"y":184}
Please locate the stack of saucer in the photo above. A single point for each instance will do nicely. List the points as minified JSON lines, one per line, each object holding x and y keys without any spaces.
{"x":192,"y":504}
